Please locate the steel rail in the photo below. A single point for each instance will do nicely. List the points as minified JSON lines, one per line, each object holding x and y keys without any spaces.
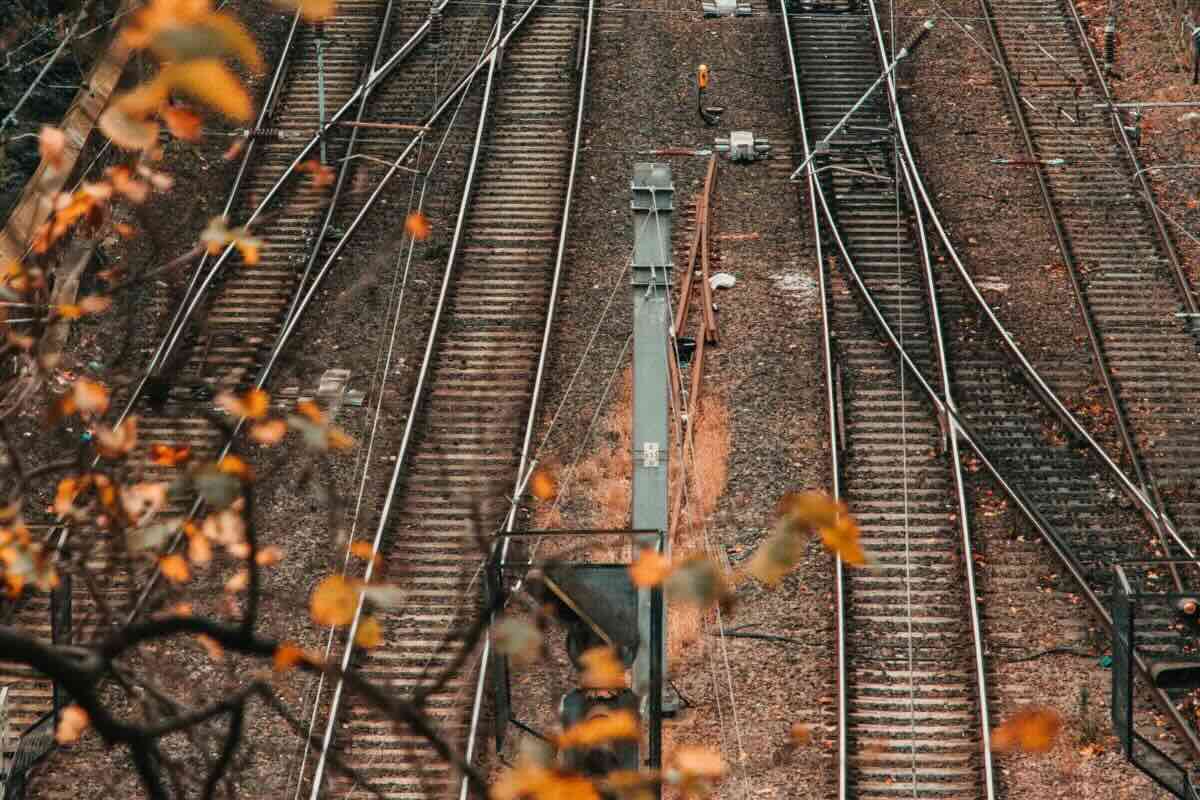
{"x":1187,"y":294}
{"x":1037,"y":383}
{"x":201,"y":280}
{"x":492,"y":58}
{"x":835,"y":441}
{"x":964,"y":509}
{"x":1017,"y":495}
{"x":1100,"y":358}
{"x":528,"y":462}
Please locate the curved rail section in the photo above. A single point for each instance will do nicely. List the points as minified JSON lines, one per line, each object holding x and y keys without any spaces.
{"x":464,"y":433}
{"x":1123,"y":270}
{"x":913,"y":707}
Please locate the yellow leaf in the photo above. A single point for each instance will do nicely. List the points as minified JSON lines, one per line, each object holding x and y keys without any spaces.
{"x":239,"y":581}
{"x":600,"y":729}
{"x":601,"y":669}
{"x":143,"y":101}
{"x":71,"y":723}
{"x":776,"y":557}
{"x":199,"y":549}
{"x":650,"y":569}
{"x":270,"y":432}
{"x":175,"y":568}
{"x":334,"y":602}
{"x":1030,"y":730}
{"x":210,"y":82}
{"x":369,"y":634}
{"x":542,"y":485}
{"x":287,"y":655}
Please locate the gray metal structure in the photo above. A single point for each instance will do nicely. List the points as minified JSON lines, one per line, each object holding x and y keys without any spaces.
{"x":652,"y":203}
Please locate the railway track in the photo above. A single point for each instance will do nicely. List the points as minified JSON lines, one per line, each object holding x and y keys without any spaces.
{"x":1043,"y":459}
{"x":231,"y":340}
{"x":1125,"y":272}
{"x":467,"y":433}
{"x":912,"y":712}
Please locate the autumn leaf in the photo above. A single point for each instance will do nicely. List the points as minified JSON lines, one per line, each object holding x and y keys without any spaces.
{"x":696,"y":761}
{"x":143,"y":499}
{"x":89,"y":396}
{"x":699,"y":581}
{"x":287,"y":655}
{"x":126,"y":131}
{"x":417,"y":226}
{"x":174,"y":568}
{"x":254,"y":404}
{"x":72,"y":721}
{"x":650,"y":569}
{"x":51,"y":143}
{"x":239,"y":581}
{"x":334,"y":602}
{"x":210,"y":82}
{"x":211,"y":646}
{"x":801,"y":734}
{"x":518,"y":638}
{"x":236,"y":466}
{"x":600,"y":729}
{"x":542,"y":485}
{"x":1030,"y":730}
{"x":270,"y":432}
{"x":64,"y":496}
{"x":528,"y":781}
{"x":369,"y":634}
{"x":322,"y":174}
{"x":814,"y":509}
{"x":217,"y":235}
{"x":843,"y":540}
{"x":114,"y":443}
{"x":362,"y":549}
{"x":601,"y":669}
{"x":125,"y":183}
{"x":165,"y":455}
{"x":200,"y":550}
{"x":776,"y":557}
{"x":182,"y":124}
{"x":384,"y":595}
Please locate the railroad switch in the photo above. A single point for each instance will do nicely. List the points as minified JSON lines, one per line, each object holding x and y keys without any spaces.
{"x":727,"y":8}
{"x":743,"y":146}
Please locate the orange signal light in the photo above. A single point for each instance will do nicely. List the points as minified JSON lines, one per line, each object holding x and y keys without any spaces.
{"x":702,"y":76}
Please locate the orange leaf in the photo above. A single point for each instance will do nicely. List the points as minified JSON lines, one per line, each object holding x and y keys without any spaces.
{"x":369,"y":634}
{"x":182,"y":124}
{"x":51,"y":142}
{"x":1031,"y":730}
{"x":165,"y":455}
{"x":233,"y":465}
{"x":601,"y":669}
{"x":254,"y":404}
{"x":124,"y":230}
{"x":287,"y":655}
{"x":71,"y":723}
{"x":268,"y":556}
{"x":90,"y":397}
{"x":542,"y":485}
{"x":843,"y":539}
{"x":95,"y":304}
{"x":175,"y":568}
{"x":199,"y":549}
{"x":215,"y":651}
{"x":239,"y":581}
{"x":64,"y":497}
{"x":127,"y":132}
{"x":311,"y":10}
{"x":362,"y":549}
{"x":210,"y":82}
{"x":698,"y":762}
{"x":334,"y":602}
{"x":600,"y":729}
{"x":801,"y":734}
{"x":270,"y":432}
{"x":322,"y":174}
{"x":68,"y":311}
{"x":815,"y":509}
{"x":417,"y":226}
{"x":308,"y":409}
{"x":113,"y":443}
{"x":650,"y":569}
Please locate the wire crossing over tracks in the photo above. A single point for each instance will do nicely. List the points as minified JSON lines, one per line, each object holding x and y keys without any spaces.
{"x":913,"y":704}
{"x":463,"y":443}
